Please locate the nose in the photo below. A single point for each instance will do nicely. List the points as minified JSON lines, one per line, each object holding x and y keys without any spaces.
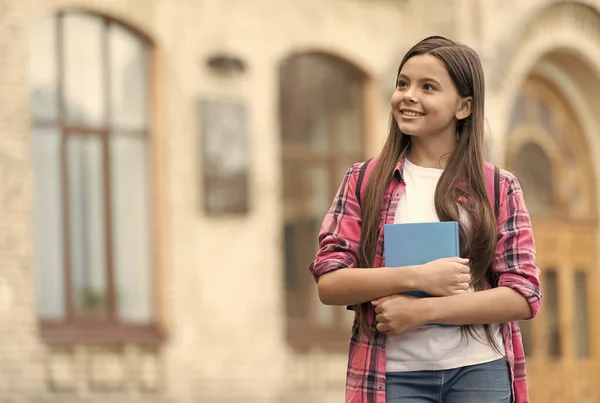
{"x":409,"y":95}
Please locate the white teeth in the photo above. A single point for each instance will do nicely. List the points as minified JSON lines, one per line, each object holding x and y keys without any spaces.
{"x":413,"y":114}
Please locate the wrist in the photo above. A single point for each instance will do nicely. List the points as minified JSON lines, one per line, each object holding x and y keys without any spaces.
{"x":430,"y":309}
{"x":415,"y":278}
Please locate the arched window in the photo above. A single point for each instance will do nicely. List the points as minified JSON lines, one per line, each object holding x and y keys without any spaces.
{"x":550,"y":150}
{"x":322,"y":126}
{"x":90,"y":91}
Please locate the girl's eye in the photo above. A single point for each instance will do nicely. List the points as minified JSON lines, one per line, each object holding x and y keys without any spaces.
{"x":428,"y":87}
{"x":401,"y":84}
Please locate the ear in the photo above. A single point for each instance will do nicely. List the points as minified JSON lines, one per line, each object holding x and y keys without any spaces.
{"x":464,"y":108}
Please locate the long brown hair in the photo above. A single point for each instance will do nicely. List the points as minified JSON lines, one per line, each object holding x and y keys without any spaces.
{"x":463,"y":178}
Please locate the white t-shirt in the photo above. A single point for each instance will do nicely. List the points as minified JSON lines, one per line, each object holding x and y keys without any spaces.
{"x":433,"y":347}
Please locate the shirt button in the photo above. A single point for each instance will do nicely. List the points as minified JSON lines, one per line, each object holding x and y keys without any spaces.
{"x":380,"y":386}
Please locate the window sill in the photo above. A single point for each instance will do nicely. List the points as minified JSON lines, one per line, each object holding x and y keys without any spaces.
{"x":100,"y":333}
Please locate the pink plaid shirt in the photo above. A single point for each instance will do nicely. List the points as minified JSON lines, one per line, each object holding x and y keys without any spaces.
{"x":514,"y":262}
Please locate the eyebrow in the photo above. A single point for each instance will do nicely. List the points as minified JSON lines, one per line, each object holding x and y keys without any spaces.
{"x":424,"y":79}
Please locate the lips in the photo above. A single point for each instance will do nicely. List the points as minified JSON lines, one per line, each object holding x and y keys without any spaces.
{"x":411,"y":113}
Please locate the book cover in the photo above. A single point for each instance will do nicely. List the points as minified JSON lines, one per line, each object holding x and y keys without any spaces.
{"x":419,"y":243}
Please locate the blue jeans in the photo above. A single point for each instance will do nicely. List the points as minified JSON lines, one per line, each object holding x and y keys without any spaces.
{"x":482,"y":383}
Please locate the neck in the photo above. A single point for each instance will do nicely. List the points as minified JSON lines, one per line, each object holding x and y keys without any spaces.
{"x":432,"y":152}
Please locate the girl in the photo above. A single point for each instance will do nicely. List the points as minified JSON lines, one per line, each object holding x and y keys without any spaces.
{"x":431,"y":168}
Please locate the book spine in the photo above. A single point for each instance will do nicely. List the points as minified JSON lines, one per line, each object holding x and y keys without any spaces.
{"x":457,"y":238}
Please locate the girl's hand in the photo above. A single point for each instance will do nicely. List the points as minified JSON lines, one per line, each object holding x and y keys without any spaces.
{"x":398,"y":314}
{"x":445,"y":277}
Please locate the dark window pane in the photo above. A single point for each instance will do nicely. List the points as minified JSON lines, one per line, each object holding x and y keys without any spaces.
{"x":323,"y":314}
{"x":321,"y":104}
{"x":303,"y":115}
{"x":85,"y":87}
{"x":292,"y":186}
{"x":319,"y":193}
{"x":314,"y":74}
{"x":347,"y":117}
{"x":534,"y":170}
{"x":552,"y":313}
{"x":48,"y":224}
{"x":582,"y":342}
{"x":87,"y":224}
{"x":526,"y":334}
{"x":299,"y":253}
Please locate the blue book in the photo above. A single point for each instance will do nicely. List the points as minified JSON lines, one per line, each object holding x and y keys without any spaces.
{"x":419,"y":243}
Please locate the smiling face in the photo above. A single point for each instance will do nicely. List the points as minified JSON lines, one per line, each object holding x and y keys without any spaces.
{"x":425,"y":102}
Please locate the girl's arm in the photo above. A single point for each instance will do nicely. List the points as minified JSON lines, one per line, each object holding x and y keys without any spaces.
{"x":355,"y":286}
{"x":340,"y":231}
{"x":441,"y":277}
{"x":518,"y":295}
{"x":499,"y":305}
{"x":399,"y":313}
{"x":335,"y":270}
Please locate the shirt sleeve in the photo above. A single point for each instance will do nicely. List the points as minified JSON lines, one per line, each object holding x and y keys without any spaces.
{"x":340,"y":231}
{"x":514,"y":260}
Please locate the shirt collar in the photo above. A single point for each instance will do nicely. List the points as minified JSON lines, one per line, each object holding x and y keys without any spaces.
{"x":400,"y":167}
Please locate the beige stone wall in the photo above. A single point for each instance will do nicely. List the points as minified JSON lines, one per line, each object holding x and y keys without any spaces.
{"x":222,"y":279}
{"x":20,"y":358}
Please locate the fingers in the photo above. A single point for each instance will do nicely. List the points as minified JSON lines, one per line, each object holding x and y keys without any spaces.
{"x":382,"y":327}
{"x":462,"y":268}
{"x":462,"y":288}
{"x":460,"y":260}
{"x":463,"y":285}
{"x":377,"y":302}
{"x":381,"y":300}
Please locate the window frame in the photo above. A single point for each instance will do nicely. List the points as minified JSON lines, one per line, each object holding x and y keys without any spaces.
{"x":88,"y":329}
{"x":305,"y":333}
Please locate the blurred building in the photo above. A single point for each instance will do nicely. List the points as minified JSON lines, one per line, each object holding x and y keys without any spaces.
{"x":164,"y":167}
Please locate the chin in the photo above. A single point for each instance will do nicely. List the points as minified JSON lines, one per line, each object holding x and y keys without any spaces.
{"x":410,"y":131}
{"x":407,"y":128}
